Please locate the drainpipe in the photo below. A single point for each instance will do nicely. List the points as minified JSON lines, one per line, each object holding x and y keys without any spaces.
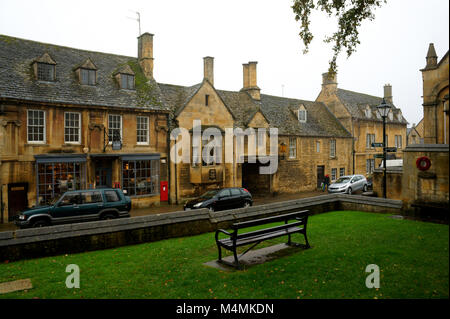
{"x":1,"y":202}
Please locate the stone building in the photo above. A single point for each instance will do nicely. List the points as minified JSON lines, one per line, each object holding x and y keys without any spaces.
{"x":75,"y":119}
{"x":414,"y":134}
{"x":358,"y":114}
{"x":311,"y":141}
{"x":425,"y":180}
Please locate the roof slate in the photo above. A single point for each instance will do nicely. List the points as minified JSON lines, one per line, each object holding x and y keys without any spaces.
{"x":17,"y":80}
{"x":356,"y":103}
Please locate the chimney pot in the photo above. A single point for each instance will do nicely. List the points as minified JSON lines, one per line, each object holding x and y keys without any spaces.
{"x":250,"y":80}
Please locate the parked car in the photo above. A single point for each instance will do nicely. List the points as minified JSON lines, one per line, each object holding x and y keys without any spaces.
{"x":77,"y":206}
{"x":221,"y":199}
{"x":349,"y":184}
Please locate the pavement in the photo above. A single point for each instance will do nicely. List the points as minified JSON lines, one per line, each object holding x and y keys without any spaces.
{"x":167,"y":208}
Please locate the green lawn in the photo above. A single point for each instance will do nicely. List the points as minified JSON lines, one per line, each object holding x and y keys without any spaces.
{"x":412,"y":256}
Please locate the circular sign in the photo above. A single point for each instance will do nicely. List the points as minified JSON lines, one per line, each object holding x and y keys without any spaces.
{"x":423,"y":163}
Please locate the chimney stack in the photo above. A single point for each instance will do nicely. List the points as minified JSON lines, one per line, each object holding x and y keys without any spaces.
{"x":208,"y":69}
{"x":329,"y":83}
{"x":145,"y":54}
{"x":250,"y":80}
{"x":388,"y":93}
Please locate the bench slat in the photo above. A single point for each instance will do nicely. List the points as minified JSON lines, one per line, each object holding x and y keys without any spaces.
{"x":248,"y":240}
{"x":268,"y":220}
{"x":269,"y":230}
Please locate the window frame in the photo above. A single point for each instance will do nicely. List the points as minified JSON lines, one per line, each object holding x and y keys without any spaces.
{"x":88,"y":76}
{"x":79,"y":128}
{"x":333,"y":172}
{"x":44,"y":131}
{"x":131,"y":183}
{"x":126,"y":76}
{"x":147,"y":136}
{"x":292,"y":147}
{"x":333,"y":148}
{"x":40,"y":71}
{"x":301,"y":118}
{"x":110,"y":134}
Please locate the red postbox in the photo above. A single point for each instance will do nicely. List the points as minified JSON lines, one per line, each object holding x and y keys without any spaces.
{"x":164,"y":191}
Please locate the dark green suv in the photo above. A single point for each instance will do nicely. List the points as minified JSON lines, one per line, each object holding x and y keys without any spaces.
{"x":77,"y":206}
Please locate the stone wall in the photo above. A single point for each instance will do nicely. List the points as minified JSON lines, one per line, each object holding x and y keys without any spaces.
{"x":394,"y":176}
{"x":82,"y":237}
{"x":426,"y":190}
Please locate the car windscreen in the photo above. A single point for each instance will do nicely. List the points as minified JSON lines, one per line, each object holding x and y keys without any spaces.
{"x":342,"y":180}
{"x":209,"y":194}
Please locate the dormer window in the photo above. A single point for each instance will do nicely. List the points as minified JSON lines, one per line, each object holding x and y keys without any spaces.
{"x":87,"y":77}
{"x":45,"y":72}
{"x":125,"y":77}
{"x":86,"y":72}
{"x":368,"y":112}
{"x":391,"y":116}
{"x":127,"y":81}
{"x":399,"y":116}
{"x":301,"y":114}
{"x":44,"y":68}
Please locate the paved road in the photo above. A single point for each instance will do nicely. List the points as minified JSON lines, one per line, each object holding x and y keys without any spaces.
{"x":166,"y":208}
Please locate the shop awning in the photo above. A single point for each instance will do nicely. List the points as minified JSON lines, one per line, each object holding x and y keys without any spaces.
{"x":58,"y":158}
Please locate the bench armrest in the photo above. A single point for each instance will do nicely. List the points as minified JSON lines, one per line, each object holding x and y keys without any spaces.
{"x":221,"y":231}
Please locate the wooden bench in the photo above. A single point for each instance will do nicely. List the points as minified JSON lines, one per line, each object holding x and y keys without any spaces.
{"x":255,"y":237}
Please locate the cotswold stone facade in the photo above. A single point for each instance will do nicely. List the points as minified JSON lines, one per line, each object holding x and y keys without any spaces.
{"x":75,"y":119}
{"x":311,"y":141}
{"x":358,"y":113}
{"x":425,"y":191}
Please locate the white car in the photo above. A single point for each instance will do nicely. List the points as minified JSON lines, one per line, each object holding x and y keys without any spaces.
{"x":349,"y":184}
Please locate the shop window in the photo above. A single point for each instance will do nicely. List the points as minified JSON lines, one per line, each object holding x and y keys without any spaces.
{"x":56,"y":178}
{"x":140,"y":177}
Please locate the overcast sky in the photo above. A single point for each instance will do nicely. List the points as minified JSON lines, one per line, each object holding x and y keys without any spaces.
{"x":392,"y":50}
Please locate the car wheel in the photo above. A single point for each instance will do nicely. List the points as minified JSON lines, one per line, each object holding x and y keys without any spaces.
{"x":108,"y":216}
{"x":211,"y":209}
{"x":365,"y":188}
{"x":349,"y":191}
{"x":40,"y":223}
{"x":247,"y":204}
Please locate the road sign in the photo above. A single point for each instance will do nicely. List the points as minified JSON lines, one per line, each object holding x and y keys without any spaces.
{"x":378,"y":155}
{"x":377,"y":144}
{"x":391,"y":149}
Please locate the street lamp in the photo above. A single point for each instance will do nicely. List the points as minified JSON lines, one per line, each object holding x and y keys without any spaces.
{"x":384,"y":109}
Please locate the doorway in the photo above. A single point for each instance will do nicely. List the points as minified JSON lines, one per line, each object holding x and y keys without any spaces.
{"x":320,"y":174}
{"x":17,"y":199}
{"x":103,"y":173}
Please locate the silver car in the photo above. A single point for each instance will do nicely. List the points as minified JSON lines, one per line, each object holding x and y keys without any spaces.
{"x":348,"y":184}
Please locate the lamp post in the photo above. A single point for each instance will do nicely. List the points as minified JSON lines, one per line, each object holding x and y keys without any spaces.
{"x":384,"y":109}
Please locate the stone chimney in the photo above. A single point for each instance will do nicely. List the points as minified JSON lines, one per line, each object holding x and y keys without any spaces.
{"x":145,"y":54}
{"x":329,"y":83}
{"x":208,"y":69}
{"x":431,"y":57}
{"x":388,"y":93}
{"x":250,"y":80}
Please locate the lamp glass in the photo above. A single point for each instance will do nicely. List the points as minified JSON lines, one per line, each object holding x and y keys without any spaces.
{"x":384,"y":108}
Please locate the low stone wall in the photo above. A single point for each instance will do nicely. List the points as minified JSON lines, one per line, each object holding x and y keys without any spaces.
{"x":81,"y":237}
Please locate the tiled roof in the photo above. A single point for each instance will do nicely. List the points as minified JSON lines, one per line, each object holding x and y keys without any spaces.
{"x":319,"y":120}
{"x":17,"y":80}
{"x":356,"y":103}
